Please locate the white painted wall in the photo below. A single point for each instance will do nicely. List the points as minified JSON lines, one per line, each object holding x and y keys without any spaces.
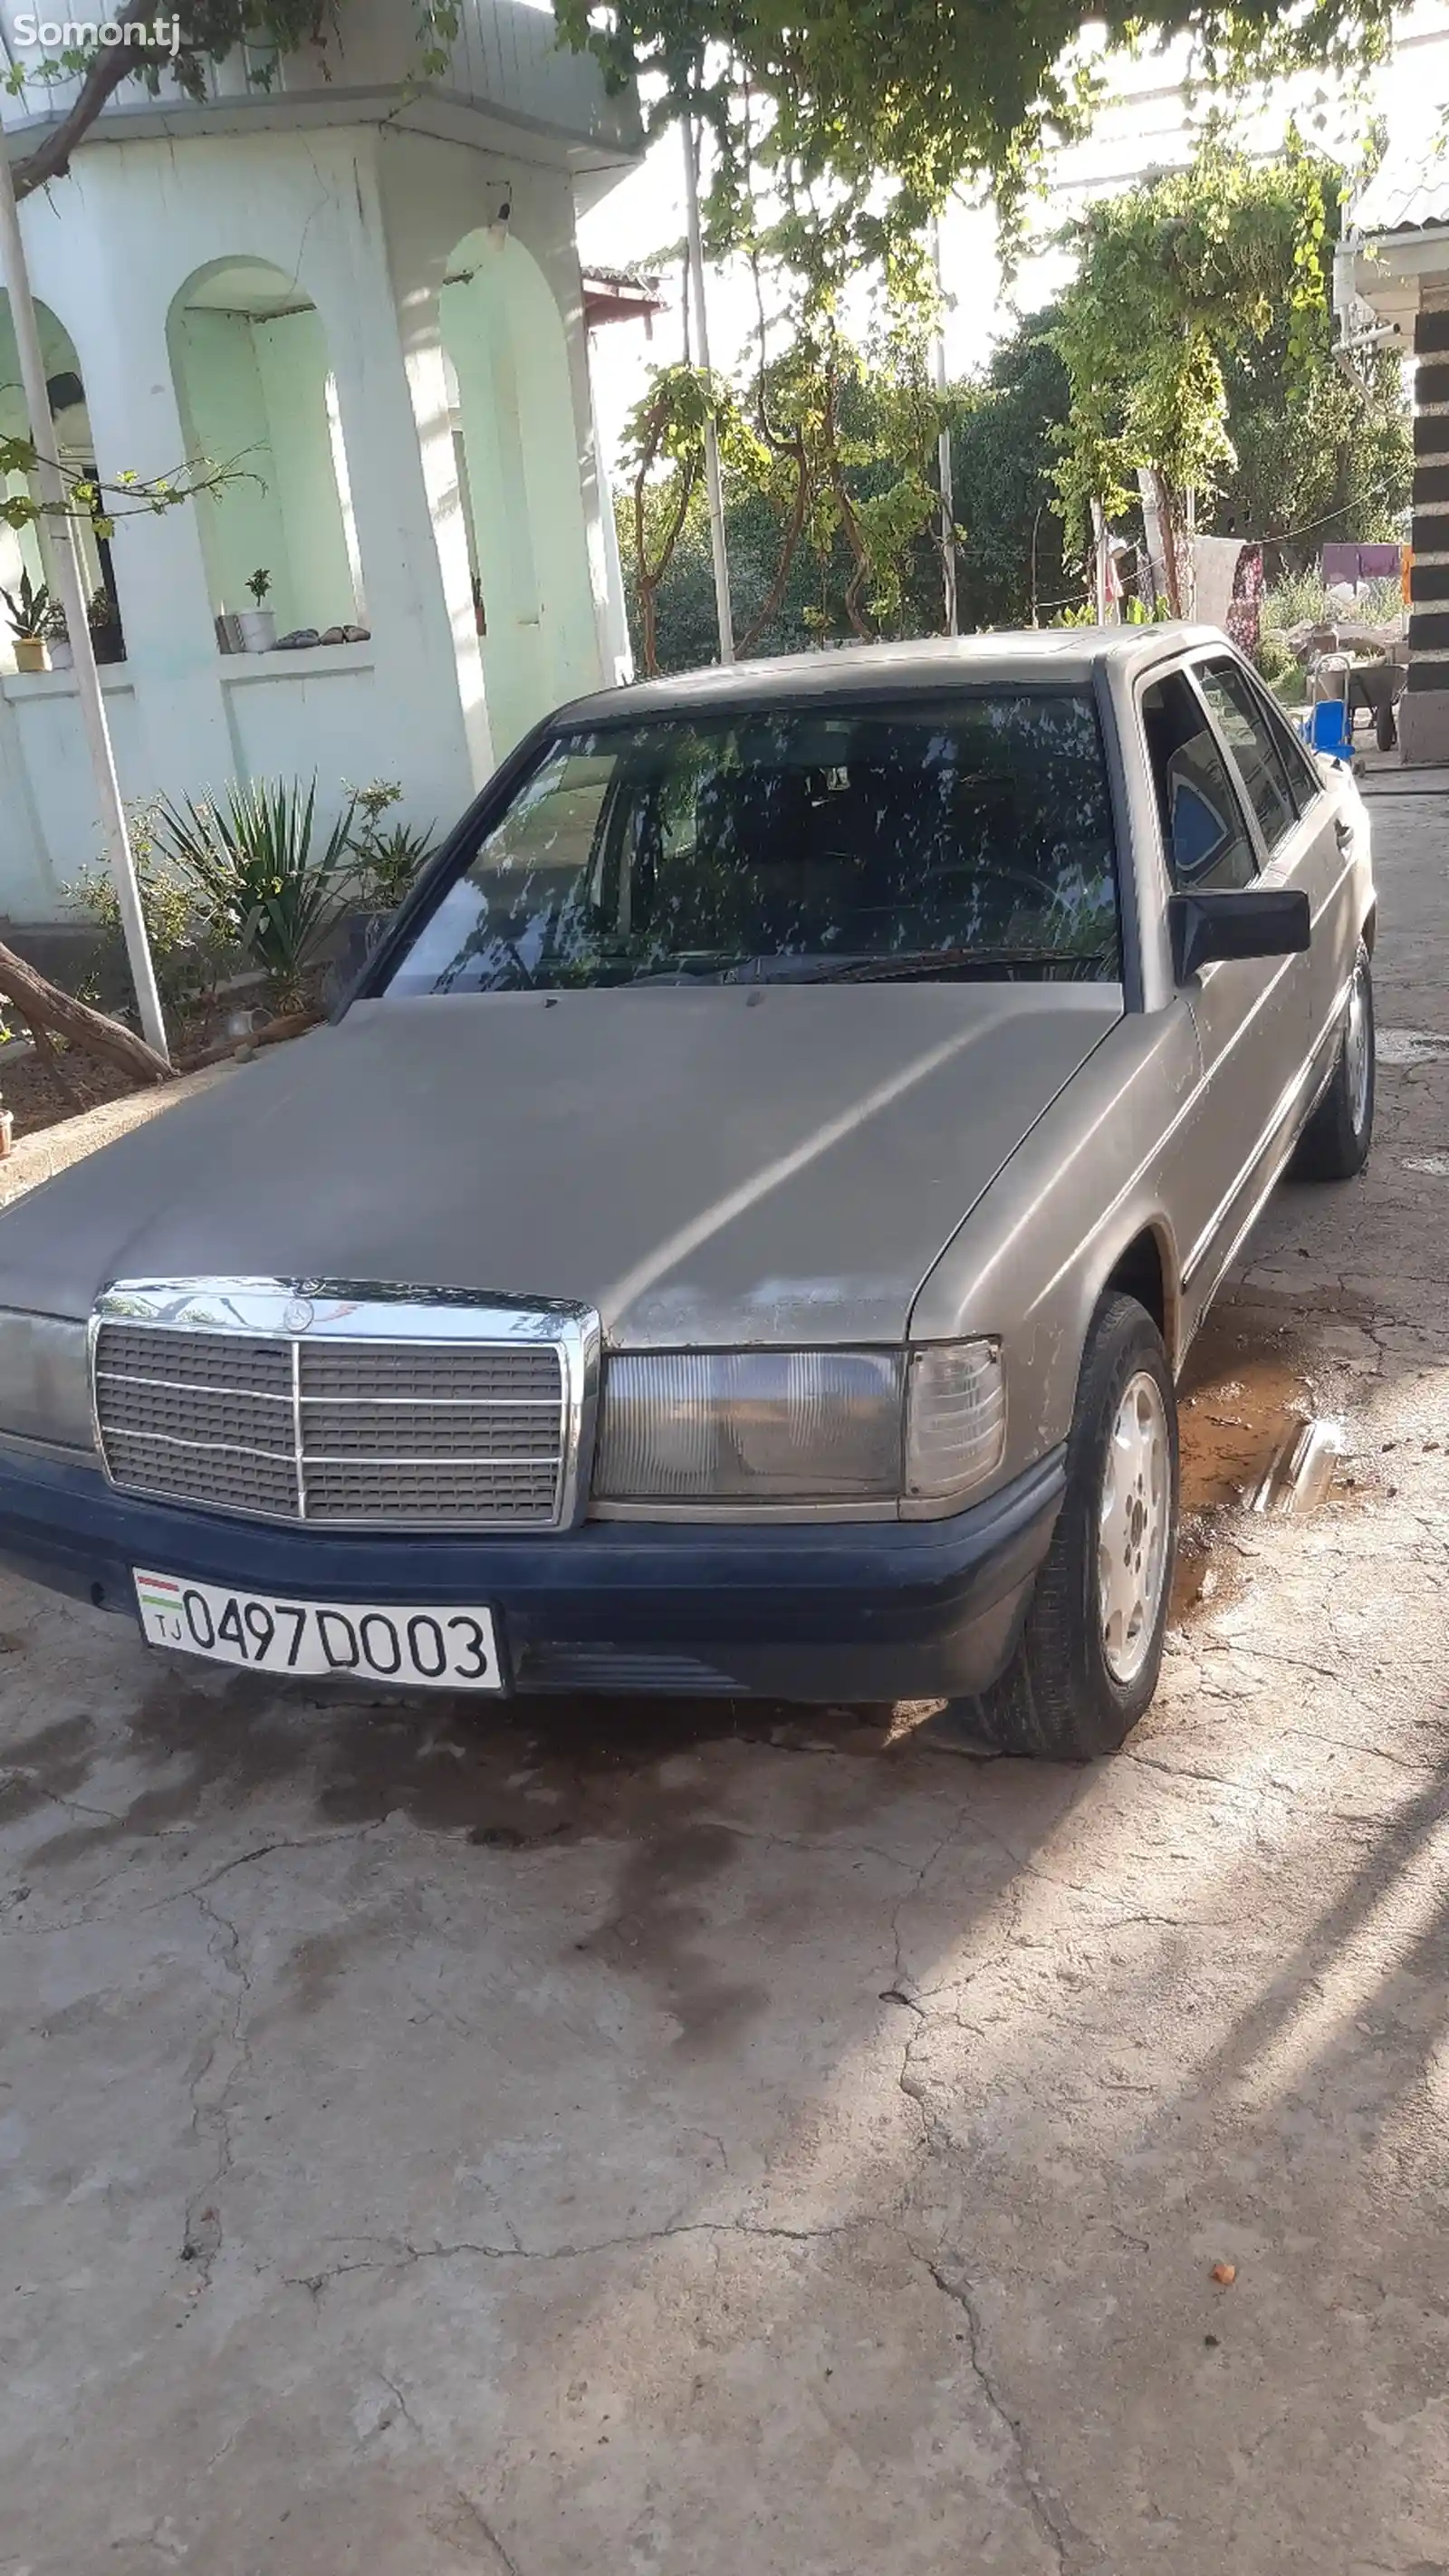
{"x":506,"y":62}
{"x":363,"y":222}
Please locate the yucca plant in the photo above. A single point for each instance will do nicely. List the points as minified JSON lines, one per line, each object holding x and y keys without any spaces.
{"x":264,"y":883}
{"x":27,"y":609}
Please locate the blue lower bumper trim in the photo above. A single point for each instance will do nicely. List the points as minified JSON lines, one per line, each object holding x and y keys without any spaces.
{"x":801,"y":1610}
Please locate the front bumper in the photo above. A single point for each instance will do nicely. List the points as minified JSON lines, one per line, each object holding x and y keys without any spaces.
{"x":862,"y":1610}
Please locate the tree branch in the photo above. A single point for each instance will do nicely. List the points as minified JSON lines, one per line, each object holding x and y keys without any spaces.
{"x":108,"y":67}
{"x":42,"y":1005}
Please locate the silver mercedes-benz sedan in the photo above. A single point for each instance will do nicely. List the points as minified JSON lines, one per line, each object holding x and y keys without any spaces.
{"x":742,"y":1232}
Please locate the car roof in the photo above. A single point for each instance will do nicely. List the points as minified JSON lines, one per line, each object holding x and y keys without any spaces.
{"x":1056,"y":656}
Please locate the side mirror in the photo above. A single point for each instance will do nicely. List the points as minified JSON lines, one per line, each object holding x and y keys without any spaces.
{"x":1247,"y":921}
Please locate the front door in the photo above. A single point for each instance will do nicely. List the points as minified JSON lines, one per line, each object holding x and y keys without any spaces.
{"x":1307,"y":835}
{"x":1249,"y":1012}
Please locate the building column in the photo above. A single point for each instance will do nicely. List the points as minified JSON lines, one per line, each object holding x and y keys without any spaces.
{"x":1424,"y":709}
{"x":613,"y":613}
{"x":172,"y":661}
{"x":403,"y":458}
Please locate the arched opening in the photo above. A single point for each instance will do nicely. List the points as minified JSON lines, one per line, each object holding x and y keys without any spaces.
{"x":255,"y":390}
{"x":26,"y":553}
{"x":516,"y":441}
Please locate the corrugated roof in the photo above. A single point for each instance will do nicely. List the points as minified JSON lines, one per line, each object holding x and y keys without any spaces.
{"x":1407,"y":193}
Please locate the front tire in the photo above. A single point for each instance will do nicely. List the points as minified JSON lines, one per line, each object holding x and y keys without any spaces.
{"x":1091,"y":1649}
{"x":1334,"y":1146}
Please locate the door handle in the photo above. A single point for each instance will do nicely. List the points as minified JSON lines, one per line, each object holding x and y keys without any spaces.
{"x":1343,"y":832}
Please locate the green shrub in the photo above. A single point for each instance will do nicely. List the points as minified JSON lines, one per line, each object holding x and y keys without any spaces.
{"x":187,"y":958}
{"x":1300,"y":599}
{"x":1382,"y":602}
{"x":1275,"y":658}
{"x":388,"y":859}
{"x":260,"y":878}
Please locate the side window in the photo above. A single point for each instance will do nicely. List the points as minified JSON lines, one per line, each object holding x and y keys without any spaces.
{"x":1305,"y":778}
{"x":1204,"y":830}
{"x":1251,"y":741}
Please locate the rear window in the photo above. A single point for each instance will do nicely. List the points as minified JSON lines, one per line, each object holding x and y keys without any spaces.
{"x":968,"y":837}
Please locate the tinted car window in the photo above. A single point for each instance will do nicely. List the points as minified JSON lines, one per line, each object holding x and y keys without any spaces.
{"x":1254,"y":748}
{"x":971,"y":836}
{"x":1204,"y":830}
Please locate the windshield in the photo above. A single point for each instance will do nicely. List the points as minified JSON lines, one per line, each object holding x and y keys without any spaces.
{"x":969,"y":837}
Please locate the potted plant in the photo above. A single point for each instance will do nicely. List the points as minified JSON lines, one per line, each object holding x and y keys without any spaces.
{"x":104,"y":620}
{"x":27,"y":610}
{"x":258,"y":625}
{"x":57,"y":638}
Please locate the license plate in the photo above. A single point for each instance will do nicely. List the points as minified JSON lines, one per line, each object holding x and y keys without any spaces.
{"x":438,"y":1649}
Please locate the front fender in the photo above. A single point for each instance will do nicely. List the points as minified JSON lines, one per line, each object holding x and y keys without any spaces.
{"x":1094,"y":1176}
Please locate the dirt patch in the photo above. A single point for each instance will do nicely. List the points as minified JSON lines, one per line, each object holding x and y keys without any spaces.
{"x":41,"y":1097}
{"x":41,"y":1092}
{"x":1255,"y":1374}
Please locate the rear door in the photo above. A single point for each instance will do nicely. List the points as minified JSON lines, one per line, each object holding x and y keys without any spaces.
{"x":1249,"y":1012}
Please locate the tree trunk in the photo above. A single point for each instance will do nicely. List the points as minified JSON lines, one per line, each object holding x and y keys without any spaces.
{"x":848,"y":520}
{"x":793,"y":534}
{"x":1173,"y":540}
{"x":648,"y":627}
{"x":42,"y":1005}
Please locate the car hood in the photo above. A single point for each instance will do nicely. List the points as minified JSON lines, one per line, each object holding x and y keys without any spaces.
{"x":770,"y":1164}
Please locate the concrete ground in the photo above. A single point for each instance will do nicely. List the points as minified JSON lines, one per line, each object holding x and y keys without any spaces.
{"x":604,"y":2140}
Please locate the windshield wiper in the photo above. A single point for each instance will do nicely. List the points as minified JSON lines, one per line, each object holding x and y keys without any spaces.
{"x":913,"y":964}
{"x":701,"y":966}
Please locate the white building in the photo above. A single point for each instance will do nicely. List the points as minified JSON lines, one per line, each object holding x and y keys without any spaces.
{"x":365,"y":293}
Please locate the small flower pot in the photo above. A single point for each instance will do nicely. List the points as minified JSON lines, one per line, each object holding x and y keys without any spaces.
{"x":7,"y":1132}
{"x":30,"y":653}
{"x":62,"y":653}
{"x":258,"y":629}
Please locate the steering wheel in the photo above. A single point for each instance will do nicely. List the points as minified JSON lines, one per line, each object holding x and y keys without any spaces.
{"x":525,"y":980}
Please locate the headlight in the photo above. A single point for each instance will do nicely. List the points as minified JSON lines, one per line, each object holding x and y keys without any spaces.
{"x":45,"y":1386}
{"x":750,"y":1427}
{"x":799,"y":1426}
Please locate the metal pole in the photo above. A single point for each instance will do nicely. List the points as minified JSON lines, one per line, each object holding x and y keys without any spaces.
{"x":711,"y":435}
{"x":948,"y":497}
{"x":66,"y":566}
{"x":1099,"y":562}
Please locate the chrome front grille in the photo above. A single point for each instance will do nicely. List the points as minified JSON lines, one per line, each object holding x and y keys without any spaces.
{"x":352,"y":1407}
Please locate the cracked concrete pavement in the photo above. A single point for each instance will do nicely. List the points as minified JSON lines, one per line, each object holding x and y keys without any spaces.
{"x":650,"y":2138}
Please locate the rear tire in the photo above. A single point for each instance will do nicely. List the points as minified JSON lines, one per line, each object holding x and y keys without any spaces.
{"x":1091,"y":1649}
{"x":1334,"y":1146}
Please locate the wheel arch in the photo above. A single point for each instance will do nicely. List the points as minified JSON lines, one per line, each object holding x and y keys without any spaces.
{"x":1146,"y":1268}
